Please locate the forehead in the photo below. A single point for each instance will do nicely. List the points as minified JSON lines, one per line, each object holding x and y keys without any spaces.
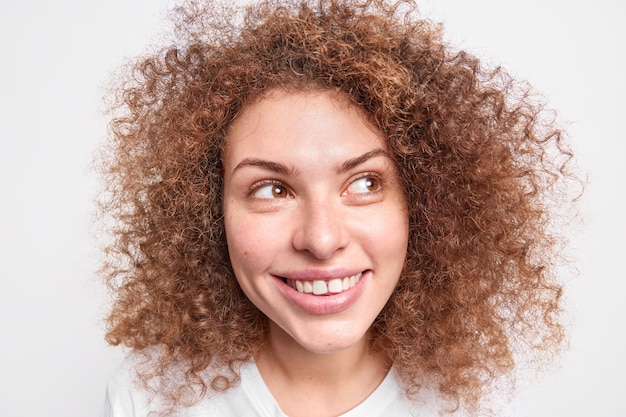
{"x":312,"y":120}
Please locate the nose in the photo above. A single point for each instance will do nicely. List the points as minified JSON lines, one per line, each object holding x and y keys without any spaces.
{"x":321,"y":230}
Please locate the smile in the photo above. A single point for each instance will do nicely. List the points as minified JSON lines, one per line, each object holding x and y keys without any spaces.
{"x":323,"y":287}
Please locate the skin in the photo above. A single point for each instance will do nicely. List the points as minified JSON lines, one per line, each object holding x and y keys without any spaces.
{"x":310,"y":193}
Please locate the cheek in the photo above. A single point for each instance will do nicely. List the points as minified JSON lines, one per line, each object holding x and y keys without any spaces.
{"x":240,"y":241}
{"x":388,"y":240}
{"x":251,"y":244}
{"x":387,"y":229}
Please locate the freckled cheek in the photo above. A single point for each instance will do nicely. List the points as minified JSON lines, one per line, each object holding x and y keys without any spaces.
{"x":240,"y":244}
{"x":251,"y":246}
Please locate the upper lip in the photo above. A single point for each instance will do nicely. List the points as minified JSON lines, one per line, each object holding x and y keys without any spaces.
{"x":313,"y":274}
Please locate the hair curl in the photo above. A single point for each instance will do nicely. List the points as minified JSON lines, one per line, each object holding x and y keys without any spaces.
{"x":478,"y":160}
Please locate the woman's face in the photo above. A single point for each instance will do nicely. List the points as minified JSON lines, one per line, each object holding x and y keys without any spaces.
{"x":315,"y":216}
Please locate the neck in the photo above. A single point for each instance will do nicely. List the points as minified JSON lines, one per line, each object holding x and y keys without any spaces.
{"x":333,"y":382}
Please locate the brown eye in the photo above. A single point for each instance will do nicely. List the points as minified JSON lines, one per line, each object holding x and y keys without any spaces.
{"x":365,"y":185}
{"x":278,"y":192}
{"x":271,"y":191}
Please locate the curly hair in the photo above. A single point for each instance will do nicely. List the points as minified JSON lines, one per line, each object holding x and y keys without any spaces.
{"x":479,"y":159}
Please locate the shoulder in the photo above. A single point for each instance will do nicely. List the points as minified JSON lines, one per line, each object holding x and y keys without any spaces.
{"x":127,"y":396}
{"x":390,"y":399}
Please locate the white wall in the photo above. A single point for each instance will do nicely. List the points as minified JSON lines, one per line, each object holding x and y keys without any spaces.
{"x":56,"y":56}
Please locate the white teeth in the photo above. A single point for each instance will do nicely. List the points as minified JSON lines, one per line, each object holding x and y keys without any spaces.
{"x":345,"y":283}
{"x":335,"y":285}
{"x":321,"y":287}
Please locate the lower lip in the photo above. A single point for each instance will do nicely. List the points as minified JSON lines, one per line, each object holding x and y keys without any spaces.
{"x":323,"y":304}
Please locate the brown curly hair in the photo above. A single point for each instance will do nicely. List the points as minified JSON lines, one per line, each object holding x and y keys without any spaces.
{"x":479,"y":160}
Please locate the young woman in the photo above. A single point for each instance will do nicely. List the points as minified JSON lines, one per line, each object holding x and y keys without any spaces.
{"x":322,"y":210}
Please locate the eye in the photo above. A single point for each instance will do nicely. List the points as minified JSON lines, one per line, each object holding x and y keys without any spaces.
{"x":368,"y":184}
{"x":270,"y":191}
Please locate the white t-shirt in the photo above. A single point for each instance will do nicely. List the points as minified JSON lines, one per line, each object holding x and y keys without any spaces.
{"x":251,"y":398}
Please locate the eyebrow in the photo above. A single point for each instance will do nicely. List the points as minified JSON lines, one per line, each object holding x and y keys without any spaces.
{"x":267,"y":165}
{"x":283,"y":169}
{"x":354,"y":162}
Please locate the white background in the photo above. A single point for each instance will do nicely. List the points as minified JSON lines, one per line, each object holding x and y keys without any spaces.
{"x":56,"y":57}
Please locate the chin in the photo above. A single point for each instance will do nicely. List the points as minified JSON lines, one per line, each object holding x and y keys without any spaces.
{"x":332,"y":343}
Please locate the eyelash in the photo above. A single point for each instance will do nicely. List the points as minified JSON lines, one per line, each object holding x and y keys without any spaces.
{"x":264,"y":183}
{"x":366,"y":175}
